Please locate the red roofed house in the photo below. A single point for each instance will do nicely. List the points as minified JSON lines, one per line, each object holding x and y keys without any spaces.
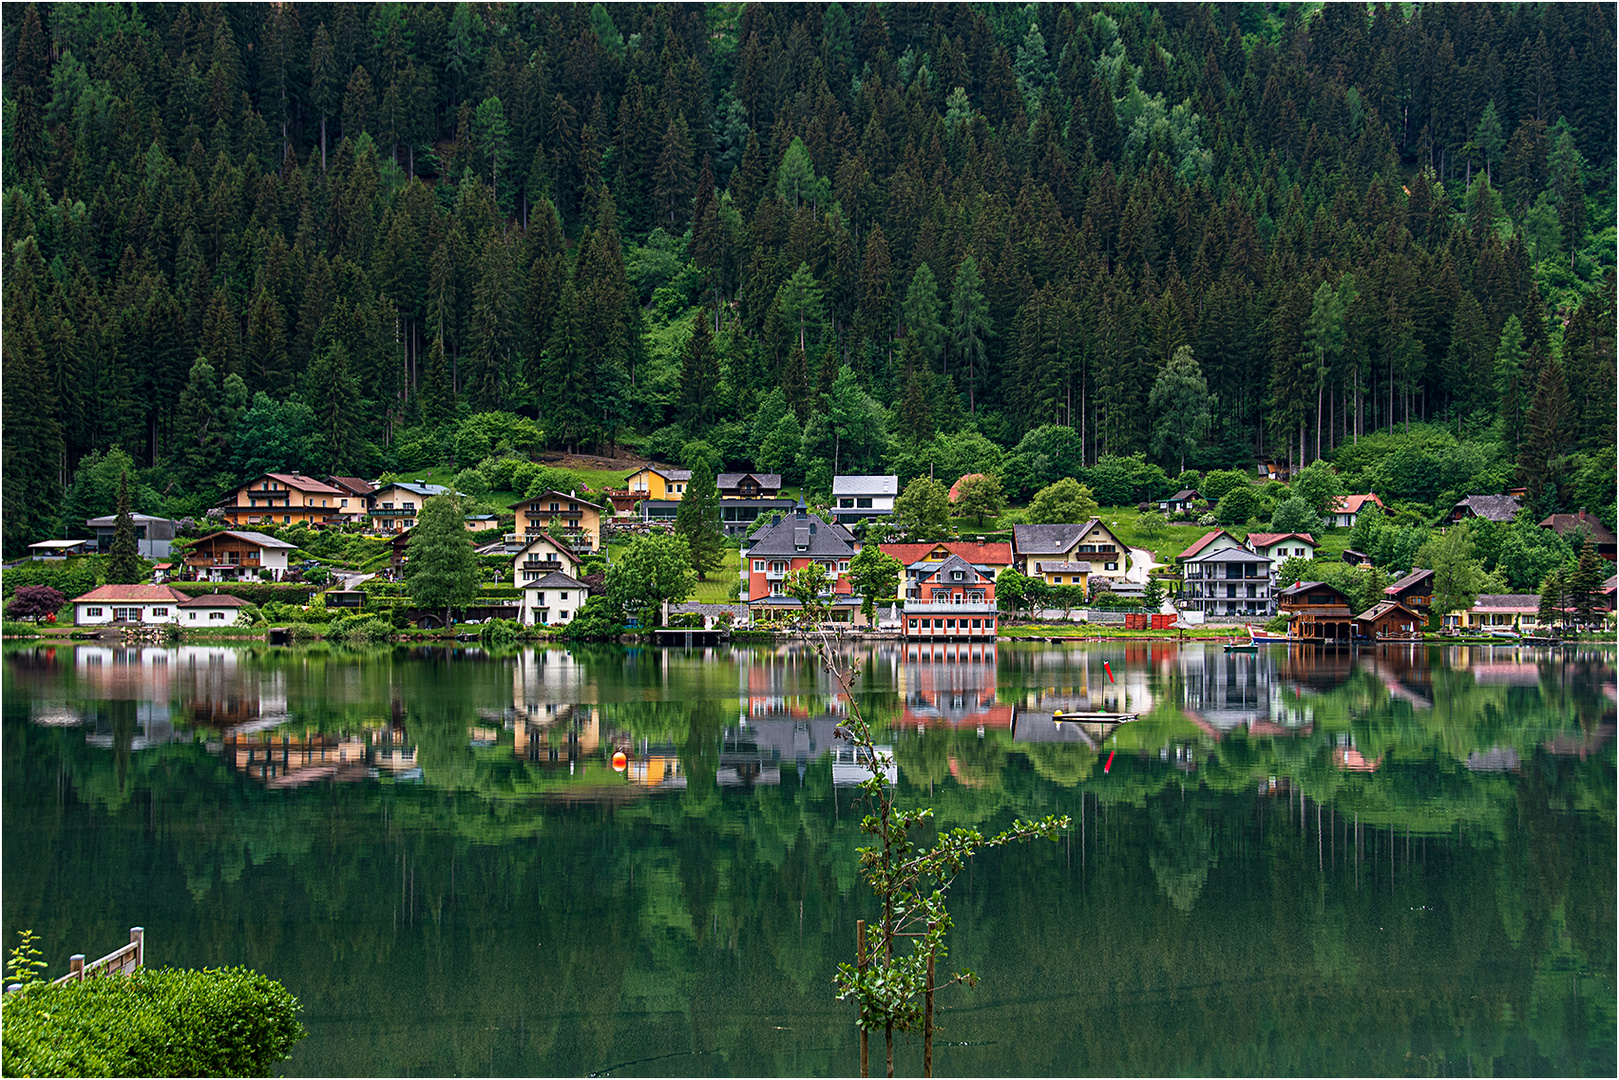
{"x":128,"y":604}
{"x":1344,"y":510}
{"x":355,"y":501}
{"x":949,"y":589}
{"x":284,"y":499}
{"x":1279,"y":547}
{"x":1213,"y":540}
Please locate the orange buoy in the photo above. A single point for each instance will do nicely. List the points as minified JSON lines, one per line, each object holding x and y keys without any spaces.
{"x":620,"y":762}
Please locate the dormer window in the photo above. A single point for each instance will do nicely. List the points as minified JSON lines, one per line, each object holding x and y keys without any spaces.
{"x":955,"y":575}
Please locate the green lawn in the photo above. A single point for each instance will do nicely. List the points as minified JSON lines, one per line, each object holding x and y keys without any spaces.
{"x":1124,"y":522}
{"x":718,"y":588}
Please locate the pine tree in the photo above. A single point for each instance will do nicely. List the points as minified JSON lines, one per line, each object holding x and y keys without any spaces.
{"x":1510,"y":361}
{"x":923,"y":316}
{"x":1181,"y":406}
{"x":1543,"y":462}
{"x":699,"y":377}
{"x":970,"y":328}
{"x":123,"y":562}
{"x":916,"y":407}
{"x":698,"y":518}
{"x":1585,"y":586}
{"x":437,"y":395}
{"x":334,"y":394}
{"x":441,"y":569}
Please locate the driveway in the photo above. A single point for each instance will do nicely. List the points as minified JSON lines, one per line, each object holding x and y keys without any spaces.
{"x":1141,"y":562}
{"x":348,"y":581}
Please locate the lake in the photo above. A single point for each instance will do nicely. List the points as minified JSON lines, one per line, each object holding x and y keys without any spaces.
{"x":1399,"y":861}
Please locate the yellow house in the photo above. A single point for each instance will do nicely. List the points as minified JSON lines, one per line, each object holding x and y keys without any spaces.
{"x":650,"y":483}
{"x":565,"y":516}
{"x":1064,"y":573}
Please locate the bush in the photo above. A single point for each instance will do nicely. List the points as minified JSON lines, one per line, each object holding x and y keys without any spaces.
{"x":502,"y":632}
{"x":156,"y":1022}
{"x":360,"y":629}
{"x":254,"y":592}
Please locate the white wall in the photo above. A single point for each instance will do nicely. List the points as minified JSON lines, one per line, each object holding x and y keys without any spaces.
{"x":82,"y":617}
{"x":559,"y":611}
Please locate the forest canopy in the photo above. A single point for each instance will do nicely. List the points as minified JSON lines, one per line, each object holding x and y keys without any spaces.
{"x":815,"y":237}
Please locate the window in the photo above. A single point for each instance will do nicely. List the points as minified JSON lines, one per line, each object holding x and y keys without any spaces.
{"x":955,"y":575}
{"x":409,"y":507}
{"x":192,"y":615}
{"x":843,"y":566}
{"x":913,"y":624}
{"x":1057,"y":580}
{"x":977,"y":623}
{"x":950,"y":624}
{"x":387,"y":506}
{"x":845,"y":504}
{"x":1111,"y":565}
{"x":539,"y":599}
{"x":758,"y":566}
{"x":554,"y":508}
{"x":562,"y":616}
{"x":131,"y":614}
{"x":286,"y":519}
{"x":216,"y":615}
{"x":863,"y":504}
{"x":160,"y":611}
{"x":343,"y":502}
{"x":92,"y":613}
{"x":564,"y":596}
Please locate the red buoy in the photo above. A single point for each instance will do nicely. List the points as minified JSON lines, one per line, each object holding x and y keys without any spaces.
{"x":1109,"y":766}
{"x":1108,"y":670}
{"x":620,"y":762}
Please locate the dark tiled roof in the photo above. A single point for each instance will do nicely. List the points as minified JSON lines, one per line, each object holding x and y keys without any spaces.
{"x":1562,"y":524}
{"x":1507,"y":600}
{"x":1377,"y":611}
{"x":865,"y":485}
{"x":1491,"y":507}
{"x":1415,"y":577}
{"x":806,"y":536}
{"x":1047,"y":539}
{"x":214,"y":600}
{"x":1184,"y":496}
{"x":1236,"y":554}
{"x":554,"y":580}
{"x":732,"y":479}
{"x":936,"y":574}
{"x":1062,"y":567}
{"x":1306,"y":586}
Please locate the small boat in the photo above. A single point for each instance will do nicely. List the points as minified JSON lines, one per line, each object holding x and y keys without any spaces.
{"x":1242,"y":646}
{"x":1093,"y":717}
{"x":1255,"y":636}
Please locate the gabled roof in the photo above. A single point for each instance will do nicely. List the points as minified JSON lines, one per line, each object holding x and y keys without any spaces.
{"x":1267,"y":539}
{"x":1415,"y":577}
{"x":1377,"y":611}
{"x":562,"y":549}
{"x":807,"y":536}
{"x":1185,"y":495}
{"x":1050,"y":539}
{"x":763,"y":479}
{"x":352,"y":484}
{"x":1562,"y":524}
{"x":1491,"y":507}
{"x":214,"y":600}
{"x":556,"y":579}
{"x":147,"y":594}
{"x":978,"y":554}
{"x":1507,"y":602}
{"x":1062,"y":567}
{"x":559,"y":494}
{"x":424,"y":490}
{"x":937,"y":572}
{"x":1306,"y":586}
{"x":258,"y":538}
{"x":112,"y":519}
{"x":865,"y":485}
{"x":298,"y":482}
{"x":1351,"y":504}
{"x":678,"y":476}
{"x":1236,"y":554}
{"x":1205,"y":540}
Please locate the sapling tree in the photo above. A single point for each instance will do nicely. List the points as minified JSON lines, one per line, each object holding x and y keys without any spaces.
{"x":893,"y":982}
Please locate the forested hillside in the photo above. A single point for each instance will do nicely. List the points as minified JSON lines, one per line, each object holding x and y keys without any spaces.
{"x":878,"y":236}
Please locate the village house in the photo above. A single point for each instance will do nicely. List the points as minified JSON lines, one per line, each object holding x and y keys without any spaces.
{"x":1346,"y":508}
{"x":397,"y":506}
{"x":748,"y":485}
{"x":1279,"y":547}
{"x":744,"y":499}
{"x":1213,"y":540}
{"x":482,"y":522}
{"x":215,"y":609}
{"x":1415,"y":591}
{"x":1063,"y":573}
{"x":128,"y":604}
{"x":1316,"y":612}
{"x":552,"y":599}
{"x":234,"y":555}
{"x":1274,"y":469}
{"x":949,"y":588}
{"x":284,"y":499}
{"x":1389,"y":621}
{"x":791,"y":544}
{"x":855,"y":498}
{"x":355,"y":502}
{"x":1181,"y":502}
{"x":543,"y":554}
{"x":1569,"y":526}
{"x":1226,"y":581}
{"x":1090,"y":542}
{"x":1489,"y":507}
{"x":154,"y":536}
{"x":1514,"y":612}
{"x":567,"y":516}
{"x":649,"y":482}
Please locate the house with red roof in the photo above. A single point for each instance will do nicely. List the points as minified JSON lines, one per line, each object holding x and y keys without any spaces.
{"x":949,"y":588}
{"x":1570,"y":525}
{"x":284,"y":499}
{"x":1278,"y":547}
{"x":1344,"y":511}
{"x":1213,"y":540}
{"x":144,"y":604}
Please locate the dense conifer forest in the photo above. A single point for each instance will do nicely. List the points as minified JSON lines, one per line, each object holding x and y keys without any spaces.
{"x":1031,"y":240}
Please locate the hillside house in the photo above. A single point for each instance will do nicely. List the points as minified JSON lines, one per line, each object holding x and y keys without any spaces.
{"x":1090,"y":542}
{"x":1279,"y":547}
{"x":553,"y":599}
{"x":1213,"y":540}
{"x":1571,"y":525}
{"x":542,"y":555}
{"x":748,"y":485}
{"x":1489,"y":507}
{"x":650,"y":482}
{"x":855,"y":498}
{"x":1063,"y":573}
{"x":398,"y":506}
{"x":355,"y":502}
{"x":1227,"y":581}
{"x":575,"y":521}
{"x":1181,"y":502}
{"x":1415,"y":591}
{"x":284,"y":499}
{"x":234,"y":555}
{"x":792,"y":544}
{"x":1346,"y":508}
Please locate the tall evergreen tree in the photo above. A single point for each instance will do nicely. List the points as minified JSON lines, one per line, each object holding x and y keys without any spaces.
{"x":123,"y":561}
{"x":699,"y":378}
{"x":698,"y":518}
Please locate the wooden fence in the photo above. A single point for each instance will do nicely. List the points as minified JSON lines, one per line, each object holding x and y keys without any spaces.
{"x":122,"y":961}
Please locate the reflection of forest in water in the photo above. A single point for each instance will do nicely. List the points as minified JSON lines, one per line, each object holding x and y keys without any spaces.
{"x":1408,"y":841}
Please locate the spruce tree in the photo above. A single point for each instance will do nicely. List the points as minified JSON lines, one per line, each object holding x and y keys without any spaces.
{"x":1543,"y":461}
{"x":698,"y":518}
{"x":441,"y":569}
{"x":699,"y":377}
{"x":124,"y":561}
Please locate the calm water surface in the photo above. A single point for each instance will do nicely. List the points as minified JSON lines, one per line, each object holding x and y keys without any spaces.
{"x":1397,"y":862}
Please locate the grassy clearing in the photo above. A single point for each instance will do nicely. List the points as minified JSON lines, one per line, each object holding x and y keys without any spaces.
{"x":721,"y":583}
{"x":1124,"y":521}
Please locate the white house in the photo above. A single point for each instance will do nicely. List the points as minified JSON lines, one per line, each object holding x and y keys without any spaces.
{"x":1346,"y":508}
{"x":215,"y":609}
{"x":855,"y":498}
{"x":552,"y":600}
{"x":542,"y":555}
{"x":128,"y":604}
{"x":1278,"y":547}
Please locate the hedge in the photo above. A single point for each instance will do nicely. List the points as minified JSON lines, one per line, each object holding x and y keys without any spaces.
{"x":254,"y":592}
{"x":155,"y":1022}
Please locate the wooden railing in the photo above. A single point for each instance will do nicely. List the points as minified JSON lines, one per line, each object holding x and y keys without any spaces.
{"x":122,"y":961}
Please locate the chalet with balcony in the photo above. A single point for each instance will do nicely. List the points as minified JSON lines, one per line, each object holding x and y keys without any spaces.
{"x":563,"y":515}
{"x":1346,"y":508}
{"x":1415,"y":591}
{"x":355,"y":502}
{"x":1569,"y":526}
{"x":791,"y":544}
{"x":284,"y":499}
{"x":1389,"y":621}
{"x":543,"y":555}
{"x":1090,"y":542}
{"x":398,"y":506}
{"x":1227,"y":581}
{"x":855,"y":498}
{"x":1316,"y":612}
{"x":748,"y":485}
{"x":949,"y":589}
{"x":235,"y":555}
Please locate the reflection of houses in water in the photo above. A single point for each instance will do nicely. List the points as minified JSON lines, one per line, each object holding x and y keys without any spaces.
{"x":285,"y":761}
{"x":153,"y":727}
{"x":952,"y":684}
{"x":1076,"y":680}
{"x":1039,"y":726}
{"x":1223,"y":691}
{"x":752,"y":753}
